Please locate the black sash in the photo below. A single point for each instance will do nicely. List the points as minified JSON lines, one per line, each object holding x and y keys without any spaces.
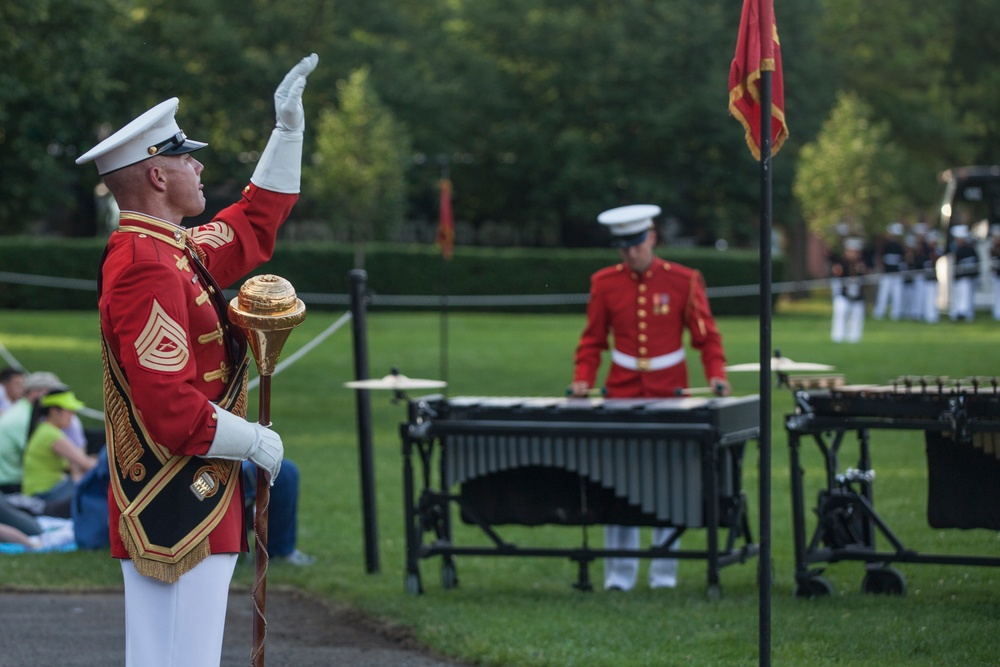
{"x":169,"y":504}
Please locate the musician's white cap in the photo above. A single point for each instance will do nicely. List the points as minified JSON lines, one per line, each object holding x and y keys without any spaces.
{"x":854,"y":243}
{"x":629,"y":225}
{"x":896,"y":229}
{"x":960,"y":231}
{"x":155,"y":132}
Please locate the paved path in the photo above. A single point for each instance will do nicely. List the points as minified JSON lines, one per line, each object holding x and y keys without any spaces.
{"x":88,"y":630}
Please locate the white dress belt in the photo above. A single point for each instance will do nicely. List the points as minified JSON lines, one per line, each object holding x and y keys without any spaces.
{"x":647,"y":363}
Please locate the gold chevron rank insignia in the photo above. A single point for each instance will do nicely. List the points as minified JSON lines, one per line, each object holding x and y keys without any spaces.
{"x":162,"y":346}
{"x":215,"y":234}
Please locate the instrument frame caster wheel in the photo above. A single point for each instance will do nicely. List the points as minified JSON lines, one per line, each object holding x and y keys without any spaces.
{"x":885,"y":580}
{"x":412,"y":584}
{"x":449,"y":577}
{"x":814,"y":586}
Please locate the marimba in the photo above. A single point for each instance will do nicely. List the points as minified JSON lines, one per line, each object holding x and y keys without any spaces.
{"x":960,"y":419}
{"x":576,"y":462}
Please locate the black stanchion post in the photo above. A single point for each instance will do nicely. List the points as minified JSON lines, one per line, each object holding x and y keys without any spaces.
{"x":359,"y":302}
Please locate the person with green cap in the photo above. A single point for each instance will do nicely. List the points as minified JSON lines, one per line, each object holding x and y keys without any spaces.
{"x":52,"y":463}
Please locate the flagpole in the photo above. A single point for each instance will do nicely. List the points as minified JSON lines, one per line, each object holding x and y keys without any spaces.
{"x":443,"y":319}
{"x":765,"y":371}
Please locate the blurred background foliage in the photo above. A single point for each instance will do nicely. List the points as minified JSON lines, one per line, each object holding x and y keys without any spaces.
{"x":541,"y":112}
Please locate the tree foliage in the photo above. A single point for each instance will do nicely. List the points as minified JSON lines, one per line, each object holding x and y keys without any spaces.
{"x":849,"y":174}
{"x":547,"y":111}
{"x":53,"y":76}
{"x":358,"y":171}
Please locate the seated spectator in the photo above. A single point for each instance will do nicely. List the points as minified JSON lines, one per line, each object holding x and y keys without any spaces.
{"x":52,"y":463}
{"x":283,"y":510}
{"x":18,"y":526}
{"x":14,"y":426}
{"x":11,"y":386}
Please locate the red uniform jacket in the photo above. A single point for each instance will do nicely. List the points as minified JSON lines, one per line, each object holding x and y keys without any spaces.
{"x":166,"y":335}
{"x":646,"y":315}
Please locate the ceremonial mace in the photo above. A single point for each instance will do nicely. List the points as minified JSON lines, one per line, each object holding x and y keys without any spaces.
{"x":267,"y":310}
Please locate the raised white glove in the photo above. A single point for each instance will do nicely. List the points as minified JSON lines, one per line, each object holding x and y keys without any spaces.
{"x":280,"y":166}
{"x":237,"y":439}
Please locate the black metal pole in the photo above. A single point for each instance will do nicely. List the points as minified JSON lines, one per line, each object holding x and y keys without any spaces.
{"x":443,"y":333}
{"x":359,"y":301}
{"x":443,"y":337}
{"x":765,"y":369}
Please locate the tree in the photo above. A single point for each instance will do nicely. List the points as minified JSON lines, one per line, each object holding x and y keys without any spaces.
{"x":849,"y":173}
{"x":55,"y":75}
{"x":358,"y":172}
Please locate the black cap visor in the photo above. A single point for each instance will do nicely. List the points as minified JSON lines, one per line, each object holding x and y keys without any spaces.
{"x":629,"y":240}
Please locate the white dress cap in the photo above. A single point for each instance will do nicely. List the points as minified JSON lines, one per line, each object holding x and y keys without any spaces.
{"x":629,"y":224}
{"x":960,"y":231}
{"x":896,"y":228}
{"x":854,"y":243}
{"x":155,"y":132}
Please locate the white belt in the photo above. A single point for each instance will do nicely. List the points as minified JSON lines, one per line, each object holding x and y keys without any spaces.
{"x":647,"y":363}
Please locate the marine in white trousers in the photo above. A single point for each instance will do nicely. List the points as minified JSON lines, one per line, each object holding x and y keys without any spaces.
{"x":621,"y":573}
{"x":962,"y":293}
{"x":179,"y":624}
{"x":930,"y":301}
{"x":889,"y":297}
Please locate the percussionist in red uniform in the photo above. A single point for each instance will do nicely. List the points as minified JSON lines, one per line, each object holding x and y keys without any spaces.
{"x":644,"y":303}
{"x":175,"y":378}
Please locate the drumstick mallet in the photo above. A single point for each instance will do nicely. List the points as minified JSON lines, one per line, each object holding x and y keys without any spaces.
{"x":267,"y":310}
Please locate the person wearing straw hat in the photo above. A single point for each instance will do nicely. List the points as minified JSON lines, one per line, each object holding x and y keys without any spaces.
{"x":175,"y":372}
{"x":644,"y":303}
{"x":14,"y":426}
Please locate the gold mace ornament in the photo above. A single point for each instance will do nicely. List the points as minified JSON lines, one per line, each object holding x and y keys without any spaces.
{"x":266,"y":310}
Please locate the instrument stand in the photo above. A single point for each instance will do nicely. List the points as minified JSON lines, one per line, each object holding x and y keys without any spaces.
{"x":532,"y":466}
{"x":846,"y":519}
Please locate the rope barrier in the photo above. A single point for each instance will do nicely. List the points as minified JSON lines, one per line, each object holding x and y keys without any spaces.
{"x":471,"y":301}
{"x":253,"y":384}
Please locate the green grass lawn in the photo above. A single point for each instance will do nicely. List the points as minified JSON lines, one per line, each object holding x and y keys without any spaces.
{"x":522,"y":611}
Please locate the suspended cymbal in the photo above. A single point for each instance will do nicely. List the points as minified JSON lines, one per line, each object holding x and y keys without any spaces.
{"x":396,"y":381}
{"x":781,"y":365}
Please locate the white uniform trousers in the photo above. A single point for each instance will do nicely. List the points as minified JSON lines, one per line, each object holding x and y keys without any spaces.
{"x":961,"y":299}
{"x":996,"y":297}
{"x":889,"y":296}
{"x":848,"y":320}
{"x":623,"y":572}
{"x":930,"y":301}
{"x":179,"y":624}
{"x":915,"y":300}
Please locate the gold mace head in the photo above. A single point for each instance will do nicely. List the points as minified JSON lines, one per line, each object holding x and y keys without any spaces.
{"x":267,"y":310}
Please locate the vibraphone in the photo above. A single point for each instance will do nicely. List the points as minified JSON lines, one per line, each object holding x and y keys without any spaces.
{"x":576,"y":462}
{"x":961,"y":422}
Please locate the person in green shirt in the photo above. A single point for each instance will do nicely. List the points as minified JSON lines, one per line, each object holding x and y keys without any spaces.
{"x":15,"y":423}
{"x":52,"y":463}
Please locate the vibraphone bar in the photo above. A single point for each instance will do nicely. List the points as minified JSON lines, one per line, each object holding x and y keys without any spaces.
{"x":578,"y":462}
{"x":960,"y":419}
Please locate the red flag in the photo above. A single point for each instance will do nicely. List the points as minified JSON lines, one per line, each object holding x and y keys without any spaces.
{"x":446,"y":223}
{"x":757,"y":50}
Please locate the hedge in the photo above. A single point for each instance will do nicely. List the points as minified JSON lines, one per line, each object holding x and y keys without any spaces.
{"x":392,"y":269}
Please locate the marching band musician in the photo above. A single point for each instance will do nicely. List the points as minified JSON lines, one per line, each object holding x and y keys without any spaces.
{"x":644,"y":303}
{"x":889,"y":295}
{"x":849,"y":302}
{"x":175,"y":372}
{"x":961,"y":306}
